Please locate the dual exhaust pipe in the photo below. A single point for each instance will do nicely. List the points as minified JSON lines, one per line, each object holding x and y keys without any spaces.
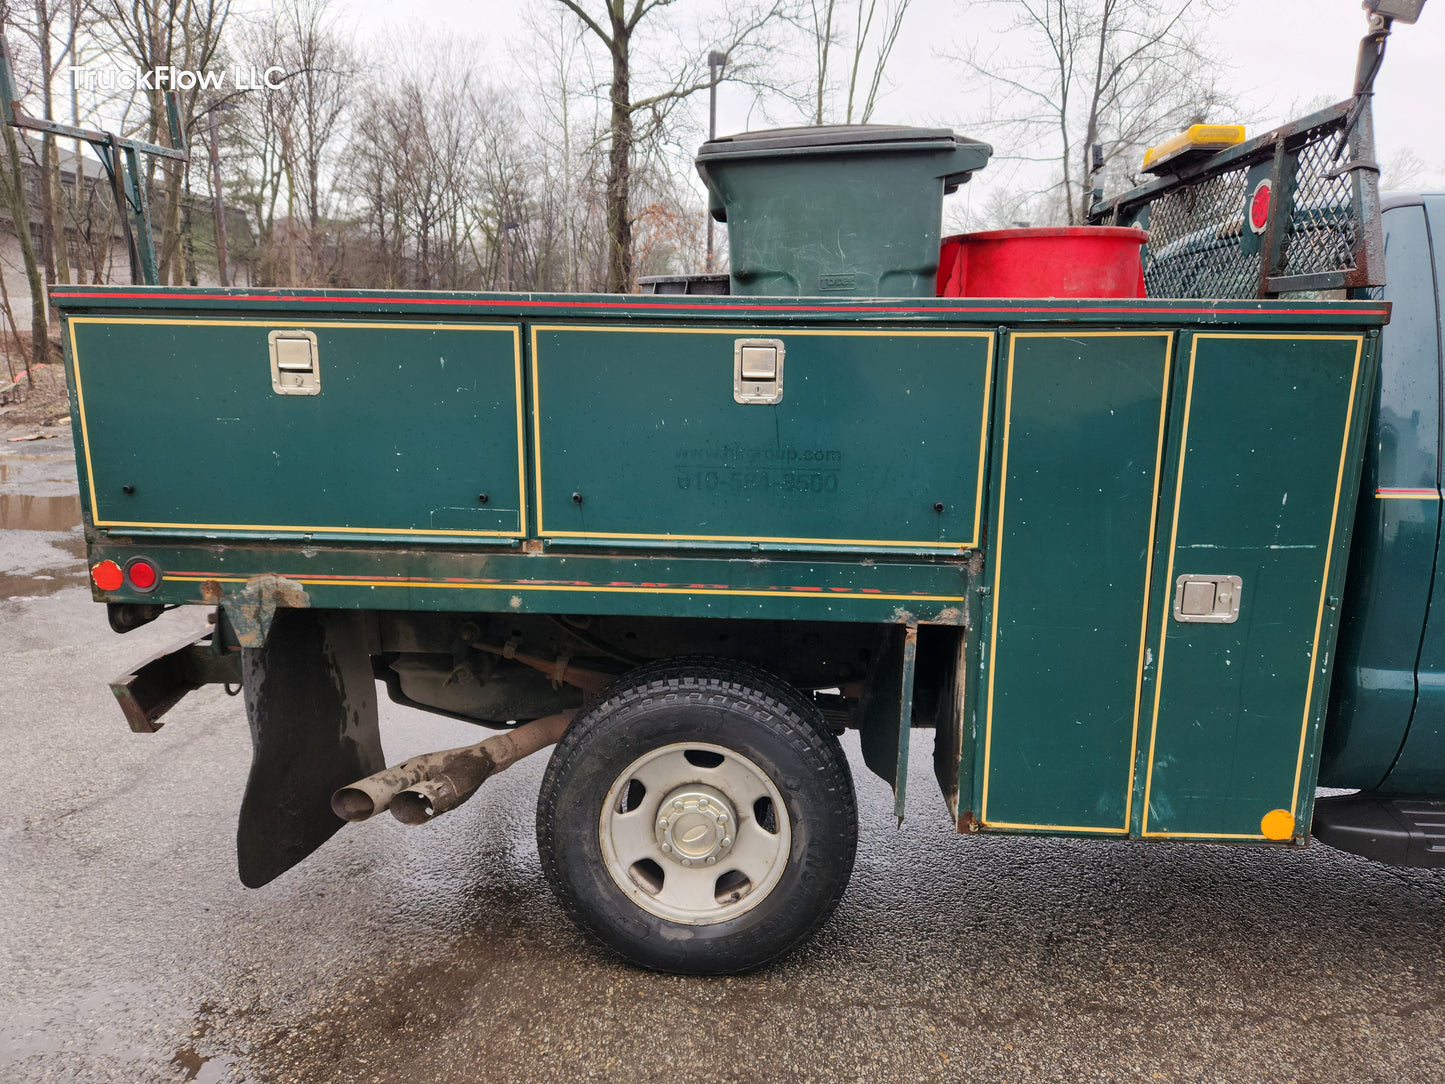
{"x":427,"y":786}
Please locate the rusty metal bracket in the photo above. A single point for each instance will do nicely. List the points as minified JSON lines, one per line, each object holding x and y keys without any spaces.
{"x":251,"y":610}
{"x":159,"y":683}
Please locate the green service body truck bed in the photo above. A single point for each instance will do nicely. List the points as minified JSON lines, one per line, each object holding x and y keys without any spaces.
{"x":1098,"y":544}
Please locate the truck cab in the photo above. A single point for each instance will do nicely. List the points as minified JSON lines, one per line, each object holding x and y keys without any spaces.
{"x":1385,"y":732}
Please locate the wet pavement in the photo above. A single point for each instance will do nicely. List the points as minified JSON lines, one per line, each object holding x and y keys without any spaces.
{"x":130,"y":952}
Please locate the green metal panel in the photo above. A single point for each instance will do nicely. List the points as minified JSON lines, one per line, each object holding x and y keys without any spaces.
{"x":1078,"y":461}
{"x":181,"y":431}
{"x":877,"y":441}
{"x":456,"y":580}
{"x":1263,"y":472}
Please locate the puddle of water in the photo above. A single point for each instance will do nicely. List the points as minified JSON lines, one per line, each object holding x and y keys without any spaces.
{"x":47,"y":581}
{"x":21,"y":513}
{"x":189,"y":1062}
{"x":46,"y":1037}
{"x":38,"y":584}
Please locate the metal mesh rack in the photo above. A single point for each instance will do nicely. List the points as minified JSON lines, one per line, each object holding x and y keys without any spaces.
{"x":1320,"y":232}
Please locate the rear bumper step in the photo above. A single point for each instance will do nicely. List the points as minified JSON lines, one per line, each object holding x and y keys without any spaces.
{"x":158,"y":684}
{"x":1394,"y":831}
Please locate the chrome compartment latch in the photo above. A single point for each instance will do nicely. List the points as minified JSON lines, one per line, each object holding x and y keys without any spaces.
{"x":758,"y":370}
{"x":1207,"y":599}
{"x":295,"y":363}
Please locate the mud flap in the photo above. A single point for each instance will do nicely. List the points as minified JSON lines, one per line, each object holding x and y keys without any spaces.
{"x":887,"y":711}
{"x":311,"y":703}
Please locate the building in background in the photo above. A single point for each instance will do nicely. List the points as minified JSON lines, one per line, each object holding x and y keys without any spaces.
{"x":94,"y":244}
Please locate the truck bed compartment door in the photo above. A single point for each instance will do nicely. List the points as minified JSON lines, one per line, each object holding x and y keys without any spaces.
{"x":1077,"y":457}
{"x":752,"y":438}
{"x":324,"y":428}
{"x":1263,"y":458}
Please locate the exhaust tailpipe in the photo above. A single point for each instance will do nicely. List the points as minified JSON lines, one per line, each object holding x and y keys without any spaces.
{"x":419,"y":789}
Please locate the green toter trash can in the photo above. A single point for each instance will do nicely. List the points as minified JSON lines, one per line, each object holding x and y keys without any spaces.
{"x":850,"y":210}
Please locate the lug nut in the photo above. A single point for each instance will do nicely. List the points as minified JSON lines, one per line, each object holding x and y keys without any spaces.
{"x":667,"y":848}
{"x":687,"y":861}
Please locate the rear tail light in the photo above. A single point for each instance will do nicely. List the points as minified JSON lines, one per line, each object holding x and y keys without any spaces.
{"x":107,"y":576}
{"x":142,"y":574}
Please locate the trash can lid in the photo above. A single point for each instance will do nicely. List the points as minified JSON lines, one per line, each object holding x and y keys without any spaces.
{"x":838,"y":138}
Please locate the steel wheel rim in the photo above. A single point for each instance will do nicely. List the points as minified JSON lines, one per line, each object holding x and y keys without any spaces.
{"x":697,"y":801}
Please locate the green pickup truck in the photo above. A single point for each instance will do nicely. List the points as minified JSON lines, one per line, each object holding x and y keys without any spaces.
{"x":1102,"y":546}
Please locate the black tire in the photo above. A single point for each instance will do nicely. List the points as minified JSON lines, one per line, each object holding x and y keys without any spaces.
{"x":759,"y":719}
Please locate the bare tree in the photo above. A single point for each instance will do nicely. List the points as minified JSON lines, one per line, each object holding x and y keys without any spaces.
{"x":252,"y":145}
{"x":12,"y":190}
{"x":1069,"y":74}
{"x":1403,"y":170}
{"x":181,"y":34}
{"x":321,"y":67}
{"x":874,"y":35}
{"x":569,"y":135}
{"x":49,"y":28}
{"x":617,"y":24}
{"x":820,"y":23}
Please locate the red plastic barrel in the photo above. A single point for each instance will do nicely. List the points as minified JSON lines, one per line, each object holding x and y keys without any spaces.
{"x":1065,"y":261}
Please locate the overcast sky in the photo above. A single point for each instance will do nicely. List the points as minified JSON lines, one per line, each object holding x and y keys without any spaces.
{"x":1280,"y":56}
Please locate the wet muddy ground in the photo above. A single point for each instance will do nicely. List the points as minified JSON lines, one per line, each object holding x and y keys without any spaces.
{"x":129,"y":951}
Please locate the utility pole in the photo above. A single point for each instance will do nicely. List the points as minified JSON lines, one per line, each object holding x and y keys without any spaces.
{"x":715,"y":63}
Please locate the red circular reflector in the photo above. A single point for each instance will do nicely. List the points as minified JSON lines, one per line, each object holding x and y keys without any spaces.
{"x":107,"y":576}
{"x":142,"y":574}
{"x":1259,"y":207}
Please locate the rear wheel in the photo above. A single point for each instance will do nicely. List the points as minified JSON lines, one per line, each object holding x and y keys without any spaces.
{"x":700,"y":819}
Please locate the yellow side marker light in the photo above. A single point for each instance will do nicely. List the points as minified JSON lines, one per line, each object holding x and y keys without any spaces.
{"x":1197,"y":141}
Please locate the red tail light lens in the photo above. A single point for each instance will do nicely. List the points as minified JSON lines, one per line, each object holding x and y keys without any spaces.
{"x":1259,"y":207}
{"x":107,"y":576}
{"x":143,"y":575}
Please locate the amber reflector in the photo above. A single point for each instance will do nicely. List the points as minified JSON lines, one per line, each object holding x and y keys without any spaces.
{"x":1277,"y":824}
